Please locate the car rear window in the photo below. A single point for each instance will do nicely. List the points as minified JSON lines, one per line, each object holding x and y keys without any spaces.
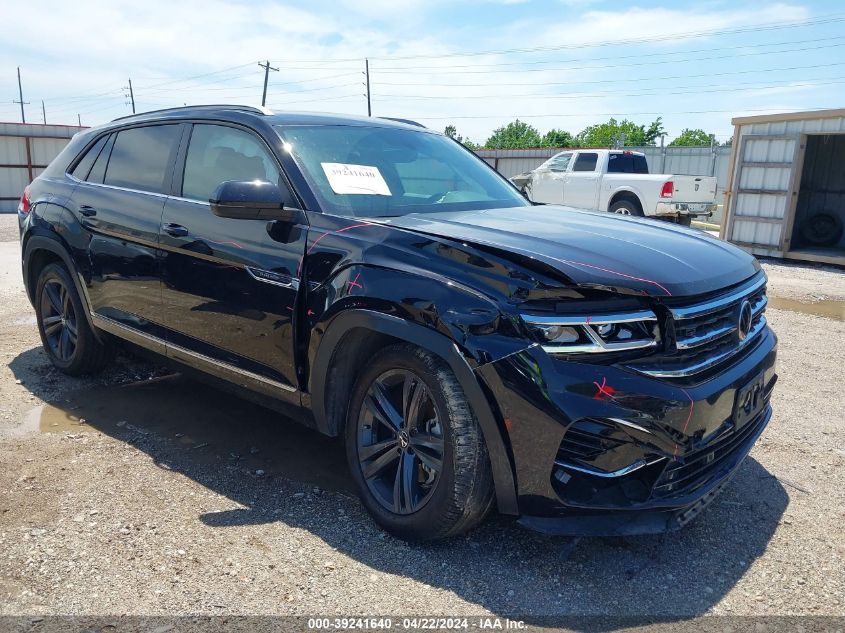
{"x":586,"y":161}
{"x":83,"y":167}
{"x":140,"y":157}
{"x":627,"y":163}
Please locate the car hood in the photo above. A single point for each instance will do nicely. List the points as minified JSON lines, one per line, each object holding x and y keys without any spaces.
{"x":625,"y":254}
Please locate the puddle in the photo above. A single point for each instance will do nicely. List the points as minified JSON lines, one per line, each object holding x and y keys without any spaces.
{"x":205,"y":427}
{"x":826,"y":308}
{"x":49,"y":419}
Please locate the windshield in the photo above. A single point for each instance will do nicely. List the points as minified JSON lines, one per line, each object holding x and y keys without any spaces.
{"x":381,"y":172}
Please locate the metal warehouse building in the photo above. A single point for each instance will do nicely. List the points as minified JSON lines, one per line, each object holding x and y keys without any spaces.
{"x":25,"y":151}
{"x":785,"y":195}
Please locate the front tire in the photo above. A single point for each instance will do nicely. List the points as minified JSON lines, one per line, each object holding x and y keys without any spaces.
{"x":415,"y":449}
{"x":65,"y":334}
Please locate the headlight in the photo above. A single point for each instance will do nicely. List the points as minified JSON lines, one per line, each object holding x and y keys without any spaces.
{"x":580,"y":334}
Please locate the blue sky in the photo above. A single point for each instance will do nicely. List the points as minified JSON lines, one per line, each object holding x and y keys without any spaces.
{"x":476,"y":64}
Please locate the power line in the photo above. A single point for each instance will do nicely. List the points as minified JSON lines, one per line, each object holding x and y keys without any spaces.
{"x":605,"y":81}
{"x":450,"y":70}
{"x":829,"y":18}
{"x":208,"y":74}
{"x":769,"y":26}
{"x":594,"y":114}
{"x":399,"y":69}
{"x":652,"y":91}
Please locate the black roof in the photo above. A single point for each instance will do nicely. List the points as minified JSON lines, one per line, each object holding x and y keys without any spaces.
{"x":239,"y":112}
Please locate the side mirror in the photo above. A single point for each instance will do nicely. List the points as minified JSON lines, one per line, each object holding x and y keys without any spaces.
{"x":252,"y":200}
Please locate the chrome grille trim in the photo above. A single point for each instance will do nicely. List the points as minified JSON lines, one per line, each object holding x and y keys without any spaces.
{"x":719,"y":303}
{"x":706,"y":333}
{"x":697,"y":368}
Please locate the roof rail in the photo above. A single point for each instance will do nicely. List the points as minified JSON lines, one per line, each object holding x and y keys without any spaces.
{"x":406,"y":121}
{"x":216,"y":106}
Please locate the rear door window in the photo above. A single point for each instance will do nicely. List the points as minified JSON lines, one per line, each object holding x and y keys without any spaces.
{"x":586,"y":161}
{"x":626,"y":163}
{"x":141,"y":157}
{"x":83,"y":167}
{"x":218,"y":153}
{"x":99,"y":169}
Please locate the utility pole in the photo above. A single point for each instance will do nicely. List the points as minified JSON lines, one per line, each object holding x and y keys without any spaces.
{"x":267,"y":68}
{"x":79,"y":119}
{"x":131,"y":95}
{"x":367,"y":73}
{"x":20,"y":97}
{"x":43,"y":112}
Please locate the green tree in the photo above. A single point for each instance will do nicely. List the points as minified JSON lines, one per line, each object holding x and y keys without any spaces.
{"x":691,"y":137}
{"x":558,"y":138}
{"x":515,"y":135}
{"x":613,"y":132}
{"x":452,"y":132}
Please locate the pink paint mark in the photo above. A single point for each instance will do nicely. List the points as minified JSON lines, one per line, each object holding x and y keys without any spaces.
{"x":615,"y":272}
{"x":343,"y":230}
{"x":604,"y":390}
{"x":354,"y":284}
{"x":235,"y":244}
{"x":689,"y":417}
{"x":310,"y":312}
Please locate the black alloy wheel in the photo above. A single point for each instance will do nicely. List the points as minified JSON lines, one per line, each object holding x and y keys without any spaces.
{"x":58,"y":318}
{"x":400,"y":441}
{"x":69,"y":340}
{"x":414,"y":447}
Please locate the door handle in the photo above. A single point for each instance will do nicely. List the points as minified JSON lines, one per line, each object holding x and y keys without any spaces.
{"x":176,"y":230}
{"x":87,"y":210}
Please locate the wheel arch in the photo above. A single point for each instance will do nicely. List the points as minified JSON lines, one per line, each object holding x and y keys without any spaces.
{"x":626,"y":194}
{"x":353,"y":335}
{"x":40,"y":251}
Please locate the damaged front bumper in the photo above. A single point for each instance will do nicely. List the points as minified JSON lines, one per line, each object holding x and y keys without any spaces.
{"x":605,"y":450}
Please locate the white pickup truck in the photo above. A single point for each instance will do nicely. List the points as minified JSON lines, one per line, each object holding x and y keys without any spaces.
{"x":618,"y":181}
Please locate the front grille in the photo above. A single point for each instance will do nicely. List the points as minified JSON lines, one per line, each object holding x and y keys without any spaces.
{"x":699,"y":466}
{"x":706,"y":332}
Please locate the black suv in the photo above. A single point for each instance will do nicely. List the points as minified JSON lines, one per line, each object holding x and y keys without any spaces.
{"x":589,"y":373}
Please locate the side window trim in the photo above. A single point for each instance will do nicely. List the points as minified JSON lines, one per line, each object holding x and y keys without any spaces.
{"x":83,"y":155}
{"x":106,"y":155}
{"x":170,"y":159}
{"x":182,"y":157}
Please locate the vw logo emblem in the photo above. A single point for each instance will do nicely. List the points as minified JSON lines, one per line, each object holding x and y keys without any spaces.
{"x":744,"y":322}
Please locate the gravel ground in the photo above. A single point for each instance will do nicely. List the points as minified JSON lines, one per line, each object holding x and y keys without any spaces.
{"x":138,"y":492}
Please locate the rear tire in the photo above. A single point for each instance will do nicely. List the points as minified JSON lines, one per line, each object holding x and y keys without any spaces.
{"x":626,"y":207}
{"x":684,"y":220}
{"x":415,"y":450}
{"x":67,"y":338}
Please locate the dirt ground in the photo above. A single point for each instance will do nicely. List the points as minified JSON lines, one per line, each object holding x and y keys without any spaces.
{"x":140,"y":492}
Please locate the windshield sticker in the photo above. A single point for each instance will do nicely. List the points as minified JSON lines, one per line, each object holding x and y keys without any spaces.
{"x":355,"y":179}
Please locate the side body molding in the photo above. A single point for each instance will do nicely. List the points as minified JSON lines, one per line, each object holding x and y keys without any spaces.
{"x":436,"y":343}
